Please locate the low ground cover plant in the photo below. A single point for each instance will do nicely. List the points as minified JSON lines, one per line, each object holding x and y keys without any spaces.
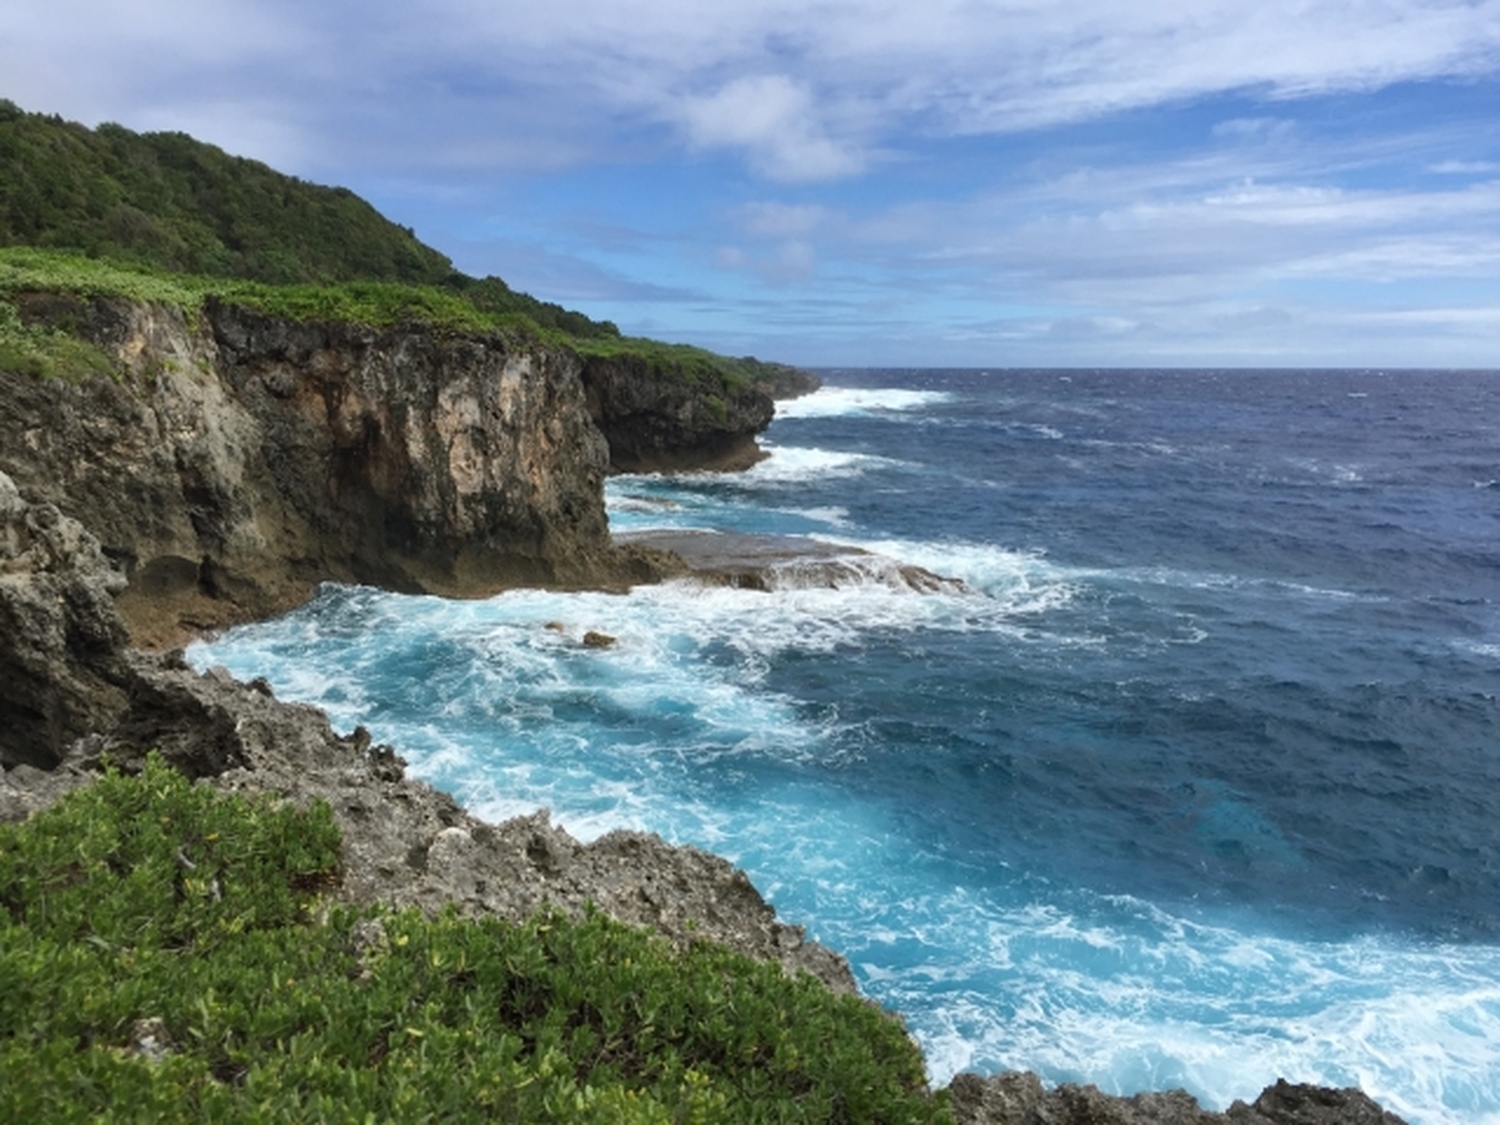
{"x":166,"y":953}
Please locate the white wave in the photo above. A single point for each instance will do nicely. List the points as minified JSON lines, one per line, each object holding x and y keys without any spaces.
{"x":625,"y":502}
{"x":1199,"y":580}
{"x":829,"y":402}
{"x":832,"y":516}
{"x":789,"y":464}
{"x":1155,"y":1002}
{"x":1490,"y":649}
{"x":1019,"y":582}
{"x":515,"y":713}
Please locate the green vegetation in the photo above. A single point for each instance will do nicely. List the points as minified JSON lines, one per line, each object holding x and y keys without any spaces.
{"x":163,"y":217}
{"x":46,"y":352}
{"x":378,"y":303}
{"x":178,"y":206}
{"x":164,"y":956}
{"x":167,"y":200}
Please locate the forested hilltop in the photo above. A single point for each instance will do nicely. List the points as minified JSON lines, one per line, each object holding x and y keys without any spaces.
{"x":178,"y":205}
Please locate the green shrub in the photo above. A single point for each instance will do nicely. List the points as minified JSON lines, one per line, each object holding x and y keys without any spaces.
{"x":151,"y":898}
{"x":47,"y":352}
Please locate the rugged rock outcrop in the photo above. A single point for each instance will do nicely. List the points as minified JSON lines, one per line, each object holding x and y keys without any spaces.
{"x":244,"y":458}
{"x":783,"y":381}
{"x":61,"y":642}
{"x":663,"y":421}
{"x":1018,"y":1098}
{"x":786,"y":562}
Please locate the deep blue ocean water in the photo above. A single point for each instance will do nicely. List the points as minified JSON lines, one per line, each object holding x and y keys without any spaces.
{"x":1198,"y":785}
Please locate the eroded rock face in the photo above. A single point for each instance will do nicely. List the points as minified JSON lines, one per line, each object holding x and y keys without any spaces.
{"x":61,"y":641}
{"x":73,"y":696}
{"x":246,"y":458}
{"x":656,"y":423}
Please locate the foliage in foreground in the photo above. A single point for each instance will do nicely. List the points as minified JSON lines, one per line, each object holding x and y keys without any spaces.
{"x":152,"y":898}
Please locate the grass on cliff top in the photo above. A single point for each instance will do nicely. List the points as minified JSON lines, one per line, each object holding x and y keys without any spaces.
{"x":164,"y":955}
{"x":479,"y":306}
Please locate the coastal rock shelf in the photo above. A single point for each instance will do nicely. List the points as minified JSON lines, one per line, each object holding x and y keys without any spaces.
{"x":785,"y":562}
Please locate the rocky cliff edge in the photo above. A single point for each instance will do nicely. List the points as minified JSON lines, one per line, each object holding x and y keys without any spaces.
{"x":239,"y":459}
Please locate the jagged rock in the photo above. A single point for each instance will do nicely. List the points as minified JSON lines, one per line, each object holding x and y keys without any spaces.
{"x":406,"y":843}
{"x":662,"y":422}
{"x":61,"y":640}
{"x":1018,"y":1098}
{"x":782,"y":381}
{"x":1301,"y":1104}
{"x":786,"y":562}
{"x":595,"y":639}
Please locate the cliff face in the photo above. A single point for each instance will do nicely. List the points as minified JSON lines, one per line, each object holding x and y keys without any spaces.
{"x":661,"y":422}
{"x":61,"y":642}
{"x":245,"y":458}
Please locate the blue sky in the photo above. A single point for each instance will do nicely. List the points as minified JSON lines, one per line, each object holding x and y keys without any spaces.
{"x":866,"y":182}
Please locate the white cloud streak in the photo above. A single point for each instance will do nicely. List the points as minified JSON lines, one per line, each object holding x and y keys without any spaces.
{"x":804,"y":90}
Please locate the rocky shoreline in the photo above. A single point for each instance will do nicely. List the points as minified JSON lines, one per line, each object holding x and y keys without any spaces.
{"x":242,"y":461}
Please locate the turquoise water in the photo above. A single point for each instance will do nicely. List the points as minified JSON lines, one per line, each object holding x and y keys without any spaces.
{"x":1196,"y":785}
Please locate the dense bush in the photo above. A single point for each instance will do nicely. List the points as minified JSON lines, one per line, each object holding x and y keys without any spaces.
{"x":167,"y":201}
{"x":170,"y":201}
{"x":164,"y":955}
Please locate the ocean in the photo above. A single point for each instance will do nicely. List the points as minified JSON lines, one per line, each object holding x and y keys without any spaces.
{"x":1196,"y":782}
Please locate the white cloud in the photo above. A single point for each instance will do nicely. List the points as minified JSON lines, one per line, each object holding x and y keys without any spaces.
{"x":768,"y":219}
{"x":804,"y":89}
{"x":775,"y":121}
{"x":1464,"y":168}
{"x":824,"y":98}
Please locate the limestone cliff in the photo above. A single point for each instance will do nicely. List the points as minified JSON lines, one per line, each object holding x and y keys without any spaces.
{"x":61,"y":658}
{"x":243,"y":458}
{"x":661,"y":420}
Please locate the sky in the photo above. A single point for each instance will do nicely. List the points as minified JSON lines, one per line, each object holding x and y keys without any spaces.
{"x":990,"y":183}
